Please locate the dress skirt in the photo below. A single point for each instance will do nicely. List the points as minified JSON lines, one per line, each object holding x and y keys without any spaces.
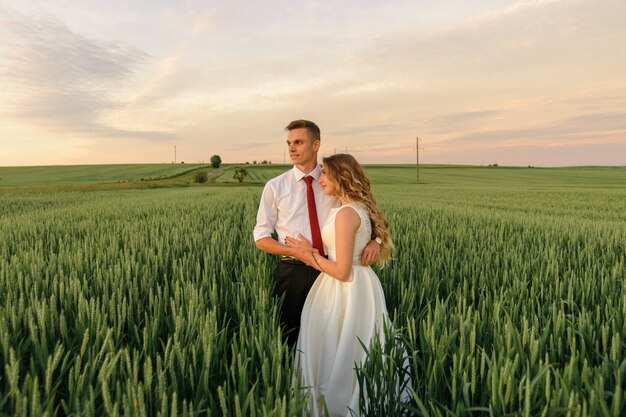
{"x":337,"y":317}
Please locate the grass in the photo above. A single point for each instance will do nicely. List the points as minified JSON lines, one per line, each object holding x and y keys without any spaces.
{"x":42,"y":176}
{"x":108,"y":177}
{"x":467,"y":176}
{"x":507,"y":284}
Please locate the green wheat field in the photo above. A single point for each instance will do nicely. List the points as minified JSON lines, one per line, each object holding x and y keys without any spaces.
{"x":133,"y":291}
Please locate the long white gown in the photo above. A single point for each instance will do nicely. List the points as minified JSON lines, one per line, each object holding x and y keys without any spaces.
{"x":335,"y":317}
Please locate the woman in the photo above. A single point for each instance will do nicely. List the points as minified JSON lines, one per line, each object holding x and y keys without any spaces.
{"x":346,"y":305}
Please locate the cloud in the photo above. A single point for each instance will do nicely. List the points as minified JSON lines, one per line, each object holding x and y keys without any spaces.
{"x":455,"y":122}
{"x":355,"y":131}
{"x":195,"y":17}
{"x":586,"y":128}
{"x":61,"y":80}
{"x":536,"y":42}
{"x":372,"y":76}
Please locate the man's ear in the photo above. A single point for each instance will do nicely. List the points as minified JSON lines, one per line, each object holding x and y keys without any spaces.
{"x":316,"y":145}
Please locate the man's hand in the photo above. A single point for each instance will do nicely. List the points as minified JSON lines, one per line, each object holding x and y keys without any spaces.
{"x":370,"y":253}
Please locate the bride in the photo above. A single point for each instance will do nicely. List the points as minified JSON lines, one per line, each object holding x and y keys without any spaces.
{"x":346,"y":305}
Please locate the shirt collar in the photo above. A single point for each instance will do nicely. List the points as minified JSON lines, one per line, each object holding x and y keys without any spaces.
{"x":298,"y":175}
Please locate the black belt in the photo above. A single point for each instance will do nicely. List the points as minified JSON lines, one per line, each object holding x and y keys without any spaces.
{"x":291,"y":260}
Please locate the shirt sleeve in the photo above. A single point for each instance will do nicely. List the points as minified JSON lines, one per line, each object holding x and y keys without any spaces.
{"x":267,"y":214}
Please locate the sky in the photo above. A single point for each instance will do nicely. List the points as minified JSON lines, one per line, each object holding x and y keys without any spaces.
{"x":537,"y":82}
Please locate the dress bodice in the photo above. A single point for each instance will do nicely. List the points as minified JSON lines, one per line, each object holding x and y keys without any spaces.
{"x":363,"y":233}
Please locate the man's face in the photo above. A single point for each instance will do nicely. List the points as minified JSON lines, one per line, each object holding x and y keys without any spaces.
{"x":302,"y":147}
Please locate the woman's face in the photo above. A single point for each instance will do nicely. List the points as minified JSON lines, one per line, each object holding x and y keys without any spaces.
{"x":326,"y":183}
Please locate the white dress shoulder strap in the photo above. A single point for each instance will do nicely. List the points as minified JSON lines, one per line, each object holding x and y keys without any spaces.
{"x":363,"y":215}
{"x":354,"y":206}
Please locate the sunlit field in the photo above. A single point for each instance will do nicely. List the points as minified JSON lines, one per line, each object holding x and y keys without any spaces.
{"x":507,"y":291}
{"x":87,"y":174}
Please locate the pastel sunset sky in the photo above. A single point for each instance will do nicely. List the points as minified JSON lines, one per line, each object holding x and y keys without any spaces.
{"x":538,"y":82}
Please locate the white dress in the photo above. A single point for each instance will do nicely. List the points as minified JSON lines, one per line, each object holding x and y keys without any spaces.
{"x":336,"y":315}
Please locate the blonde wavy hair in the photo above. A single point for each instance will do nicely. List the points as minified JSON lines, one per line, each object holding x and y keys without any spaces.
{"x":351,"y":183}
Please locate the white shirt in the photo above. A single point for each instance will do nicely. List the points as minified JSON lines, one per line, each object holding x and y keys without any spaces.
{"x":283,"y":206}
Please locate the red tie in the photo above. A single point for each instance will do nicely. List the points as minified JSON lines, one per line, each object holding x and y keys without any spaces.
{"x":315,"y":224}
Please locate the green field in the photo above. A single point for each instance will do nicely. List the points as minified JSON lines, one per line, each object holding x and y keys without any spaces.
{"x":474,"y":176}
{"x":508,"y":286}
{"x":41,"y":176}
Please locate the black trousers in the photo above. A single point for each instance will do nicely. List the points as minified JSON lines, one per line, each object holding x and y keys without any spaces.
{"x":292,"y":283}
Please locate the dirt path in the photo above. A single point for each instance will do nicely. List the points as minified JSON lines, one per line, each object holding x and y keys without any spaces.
{"x":214,"y":173}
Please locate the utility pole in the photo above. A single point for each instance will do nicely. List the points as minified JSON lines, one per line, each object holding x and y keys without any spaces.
{"x":417,"y":158}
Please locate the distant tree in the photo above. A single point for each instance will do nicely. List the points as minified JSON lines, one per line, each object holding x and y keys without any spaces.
{"x":254,"y":162}
{"x":240,"y":174}
{"x":216,"y":161}
{"x":200,"y":177}
{"x":264,"y":162}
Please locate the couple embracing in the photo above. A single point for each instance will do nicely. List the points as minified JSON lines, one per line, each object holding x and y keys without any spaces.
{"x":330,"y":230}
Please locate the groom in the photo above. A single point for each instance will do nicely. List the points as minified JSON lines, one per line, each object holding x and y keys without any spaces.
{"x":284,"y":208}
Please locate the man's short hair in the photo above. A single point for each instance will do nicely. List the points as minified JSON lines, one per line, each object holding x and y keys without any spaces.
{"x":305,"y":124}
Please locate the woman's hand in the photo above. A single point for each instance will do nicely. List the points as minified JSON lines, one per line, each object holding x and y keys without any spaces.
{"x":298,"y":242}
{"x":307,"y":255}
{"x":312,"y":260}
{"x":304,"y":251}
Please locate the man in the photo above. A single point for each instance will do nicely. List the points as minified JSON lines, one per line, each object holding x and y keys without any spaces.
{"x":286,"y":209}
